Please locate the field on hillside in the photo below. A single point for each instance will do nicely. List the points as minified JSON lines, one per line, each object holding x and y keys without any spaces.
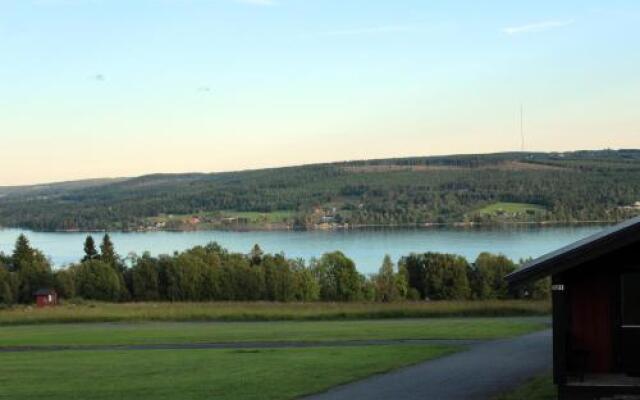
{"x":267,"y":311}
{"x":509,"y":210}
{"x":225,"y":219}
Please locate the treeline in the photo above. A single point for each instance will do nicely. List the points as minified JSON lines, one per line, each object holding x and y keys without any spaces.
{"x":579,"y":186}
{"x":211,"y":273}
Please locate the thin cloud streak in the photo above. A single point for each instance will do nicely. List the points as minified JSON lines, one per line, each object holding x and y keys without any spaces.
{"x":367,"y":31}
{"x":537,"y":27}
{"x":258,"y":2}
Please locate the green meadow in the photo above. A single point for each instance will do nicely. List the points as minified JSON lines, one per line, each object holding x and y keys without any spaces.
{"x":501,"y":208}
{"x":197,"y":374}
{"x":226,"y":332}
{"x":264,"y":372}
{"x":84,"y":311}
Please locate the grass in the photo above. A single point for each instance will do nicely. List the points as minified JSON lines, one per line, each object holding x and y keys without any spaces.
{"x":250,"y":217}
{"x":197,"y":374}
{"x":259,"y":217}
{"x":229,"y":373}
{"x":511,"y":208}
{"x":540,"y":388}
{"x":185,"y":332}
{"x":110,"y":312}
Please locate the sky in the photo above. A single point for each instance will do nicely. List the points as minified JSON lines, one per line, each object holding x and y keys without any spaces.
{"x":112,"y":88}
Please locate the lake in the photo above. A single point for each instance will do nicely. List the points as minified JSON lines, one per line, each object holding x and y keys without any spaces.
{"x":365,"y":247}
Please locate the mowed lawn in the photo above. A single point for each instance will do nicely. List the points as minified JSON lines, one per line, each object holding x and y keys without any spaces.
{"x":539,"y":388}
{"x":197,"y":374}
{"x":267,"y":373}
{"x":216,"y":332}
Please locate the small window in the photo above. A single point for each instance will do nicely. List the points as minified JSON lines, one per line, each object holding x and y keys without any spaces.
{"x":631,"y":299}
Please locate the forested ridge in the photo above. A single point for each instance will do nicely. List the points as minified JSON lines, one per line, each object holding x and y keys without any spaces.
{"x":564,"y":187}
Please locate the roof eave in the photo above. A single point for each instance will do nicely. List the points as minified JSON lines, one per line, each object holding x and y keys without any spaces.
{"x":609,"y":240}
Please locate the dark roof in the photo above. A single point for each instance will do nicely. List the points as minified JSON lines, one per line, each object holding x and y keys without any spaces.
{"x":603,"y":242}
{"x":44,"y":292}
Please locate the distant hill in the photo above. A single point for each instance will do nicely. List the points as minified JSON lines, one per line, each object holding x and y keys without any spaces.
{"x":485,"y":188}
{"x":56,"y":187}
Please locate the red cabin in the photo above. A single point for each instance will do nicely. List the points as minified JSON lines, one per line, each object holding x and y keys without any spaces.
{"x":46,"y":297}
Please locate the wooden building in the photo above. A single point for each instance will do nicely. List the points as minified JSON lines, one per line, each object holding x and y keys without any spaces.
{"x":596,"y":313}
{"x":46,"y":297}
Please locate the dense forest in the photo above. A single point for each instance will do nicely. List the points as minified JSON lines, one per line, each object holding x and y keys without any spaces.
{"x":211,"y":273}
{"x":536,"y":187}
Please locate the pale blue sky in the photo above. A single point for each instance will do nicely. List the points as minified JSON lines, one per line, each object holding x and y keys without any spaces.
{"x":92,"y":88}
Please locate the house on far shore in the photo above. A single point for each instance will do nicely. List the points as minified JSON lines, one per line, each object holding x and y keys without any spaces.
{"x":596,"y":313}
{"x":46,"y":297}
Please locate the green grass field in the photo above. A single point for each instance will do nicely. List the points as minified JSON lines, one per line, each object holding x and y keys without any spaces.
{"x":540,"y":388}
{"x":267,"y":373}
{"x":197,"y":374}
{"x":252,"y":218}
{"x":187,"y":332}
{"x":501,"y":208}
{"x":259,"y":217}
{"x":265,"y":311}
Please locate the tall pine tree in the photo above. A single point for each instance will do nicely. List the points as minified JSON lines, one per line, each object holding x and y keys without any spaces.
{"x":107,"y":251}
{"x":90,"y":252}
{"x":22,"y":253}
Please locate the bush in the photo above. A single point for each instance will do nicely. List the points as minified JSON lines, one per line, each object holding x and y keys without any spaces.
{"x":446,"y":277}
{"x":338,"y":278}
{"x":64,"y":283}
{"x":96,"y":280}
{"x":487,"y":277}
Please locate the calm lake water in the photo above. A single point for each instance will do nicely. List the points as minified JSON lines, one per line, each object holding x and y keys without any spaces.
{"x":365,"y":247}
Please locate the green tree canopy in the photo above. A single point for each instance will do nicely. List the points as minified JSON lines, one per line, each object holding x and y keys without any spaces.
{"x":23,"y":253}
{"x":256,"y":255}
{"x":446,"y":277}
{"x":64,"y":281}
{"x":338,"y":278}
{"x":487,"y":276}
{"x":145,"y":281}
{"x":386,"y":288}
{"x":8,"y":286}
{"x":107,"y":251}
{"x":90,"y":252}
{"x":97,"y":280}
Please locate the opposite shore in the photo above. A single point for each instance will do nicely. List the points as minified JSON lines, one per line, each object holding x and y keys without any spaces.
{"x":334,"y":227}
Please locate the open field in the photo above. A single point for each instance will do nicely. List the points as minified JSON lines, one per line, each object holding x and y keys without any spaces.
{"x":197,"y":374}
{"x":497,"y":209}
{"x":225,"y":332}
{"x":220,"y":219}
{"x":241,"y":373}
{"x":255,"y":217}
{"x":240,"y":311}
{"x":540,"y":388}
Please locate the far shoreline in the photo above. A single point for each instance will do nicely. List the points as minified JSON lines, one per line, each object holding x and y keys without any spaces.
{"x":341,"y":228}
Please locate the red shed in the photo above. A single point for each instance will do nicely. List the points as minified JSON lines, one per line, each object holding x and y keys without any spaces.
{"x":46,"y":297}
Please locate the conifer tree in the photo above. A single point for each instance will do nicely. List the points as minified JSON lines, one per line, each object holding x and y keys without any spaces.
{"x":90,"y":252}
{"x":107,"y":251}
{"x":22,"y":253}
